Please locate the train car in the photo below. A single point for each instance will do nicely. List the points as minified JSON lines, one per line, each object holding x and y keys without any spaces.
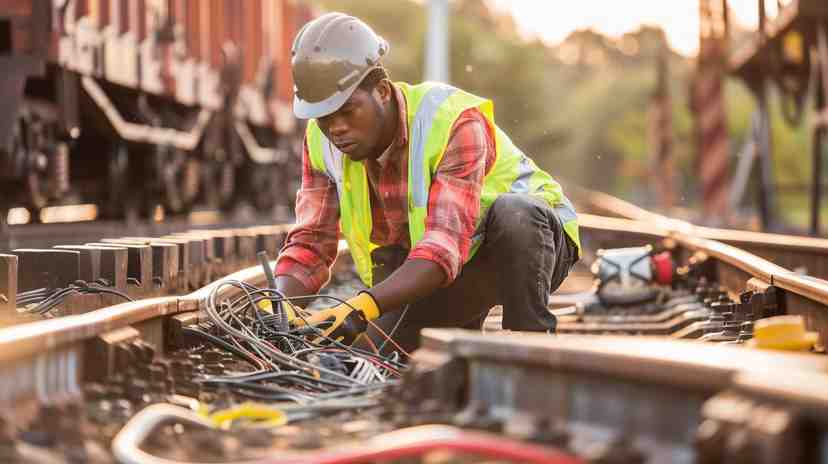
{"x":131,"y":104}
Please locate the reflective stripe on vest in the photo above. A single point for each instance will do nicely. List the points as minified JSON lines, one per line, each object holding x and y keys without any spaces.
{"x":420,"y":128}
{"x":333,"y":164}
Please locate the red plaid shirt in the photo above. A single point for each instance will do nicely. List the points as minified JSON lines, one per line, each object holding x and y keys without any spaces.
{"x":453,"y":204}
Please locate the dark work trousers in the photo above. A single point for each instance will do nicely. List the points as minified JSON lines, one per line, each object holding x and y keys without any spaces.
{"x":524,"y":257}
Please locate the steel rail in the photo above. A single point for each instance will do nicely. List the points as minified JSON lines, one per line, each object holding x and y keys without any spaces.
{"x":26,"y":340}
{"x":788,"y":251}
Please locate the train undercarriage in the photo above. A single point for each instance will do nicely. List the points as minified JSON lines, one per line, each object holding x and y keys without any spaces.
{"x":51,"y":158}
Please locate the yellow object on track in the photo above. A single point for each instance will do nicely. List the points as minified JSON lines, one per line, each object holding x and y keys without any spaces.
{"x":782,"y":333}
{"x":258,"y":415}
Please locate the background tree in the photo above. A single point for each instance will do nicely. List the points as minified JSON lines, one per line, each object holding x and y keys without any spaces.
{"x":579,"y":108}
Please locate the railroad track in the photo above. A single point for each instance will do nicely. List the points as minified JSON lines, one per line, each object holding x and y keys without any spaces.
{"x":576,"y":397}
{"x":805,"y":255}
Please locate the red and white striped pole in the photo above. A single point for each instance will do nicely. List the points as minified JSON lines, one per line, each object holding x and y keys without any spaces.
{"x":712,"y":144}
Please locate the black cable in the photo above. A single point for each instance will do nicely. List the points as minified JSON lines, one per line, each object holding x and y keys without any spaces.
{"x":246,"y":328}
{"x":232,"y":384}
{"x":59,"y":296}
{"x":44,"y":300}
{"x":265,"y":397}
{"x":223,"y":344}
{"x":54,"y":299}
{"x":34,"y":292}
{"x":109,"y":291}
{"x":275,"y":375}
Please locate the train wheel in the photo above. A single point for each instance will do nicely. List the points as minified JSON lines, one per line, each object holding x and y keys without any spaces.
{"x":46,"y":160}
{"x":180,"y":179}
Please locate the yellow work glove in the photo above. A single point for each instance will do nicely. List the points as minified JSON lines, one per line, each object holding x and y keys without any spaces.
{"x":346,"y":321}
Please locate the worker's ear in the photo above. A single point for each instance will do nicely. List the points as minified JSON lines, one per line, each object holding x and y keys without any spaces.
{"x":383,"y":90}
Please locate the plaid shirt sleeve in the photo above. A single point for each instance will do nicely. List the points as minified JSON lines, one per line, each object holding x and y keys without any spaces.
{"x":311,"y":246}
{"x":454,"y":197}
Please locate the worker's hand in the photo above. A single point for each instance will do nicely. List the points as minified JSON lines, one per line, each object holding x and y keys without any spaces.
{"x":346,"y":321}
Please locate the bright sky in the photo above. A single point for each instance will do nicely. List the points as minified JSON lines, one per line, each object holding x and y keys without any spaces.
{"x":553,"y":20}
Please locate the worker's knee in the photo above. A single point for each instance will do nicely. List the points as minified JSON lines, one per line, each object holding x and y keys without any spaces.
{"x":515,"y":210}
{"x":520,"y":217}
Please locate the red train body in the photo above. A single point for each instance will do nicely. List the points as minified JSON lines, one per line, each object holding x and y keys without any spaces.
{"x":147,"y":102}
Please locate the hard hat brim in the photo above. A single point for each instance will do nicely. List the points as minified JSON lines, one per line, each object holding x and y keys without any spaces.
{"x":304,"y":109}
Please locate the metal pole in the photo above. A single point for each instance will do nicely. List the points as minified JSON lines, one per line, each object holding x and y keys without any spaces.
{"x":713,"y":158}
{"x":766,"y":210}
{"x":437,"y":42}
{"x":822,"y":48}
{"x":816,"y":190}
{"x":765,"y":190}
{"x":819,"y":130}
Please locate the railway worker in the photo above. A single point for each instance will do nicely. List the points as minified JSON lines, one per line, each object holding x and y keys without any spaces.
{"x":443,"y":215}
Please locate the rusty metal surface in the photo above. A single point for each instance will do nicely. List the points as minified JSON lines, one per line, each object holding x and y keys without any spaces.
{"x":25,"y":340}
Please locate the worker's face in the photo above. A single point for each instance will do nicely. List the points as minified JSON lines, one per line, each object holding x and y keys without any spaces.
{"x":358,"y":126}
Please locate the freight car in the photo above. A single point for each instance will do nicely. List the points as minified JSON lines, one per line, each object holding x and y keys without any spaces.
{"x":132,"y":104}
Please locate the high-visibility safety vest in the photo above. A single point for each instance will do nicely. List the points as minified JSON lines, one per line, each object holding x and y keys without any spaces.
{"x":432,"y":110}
